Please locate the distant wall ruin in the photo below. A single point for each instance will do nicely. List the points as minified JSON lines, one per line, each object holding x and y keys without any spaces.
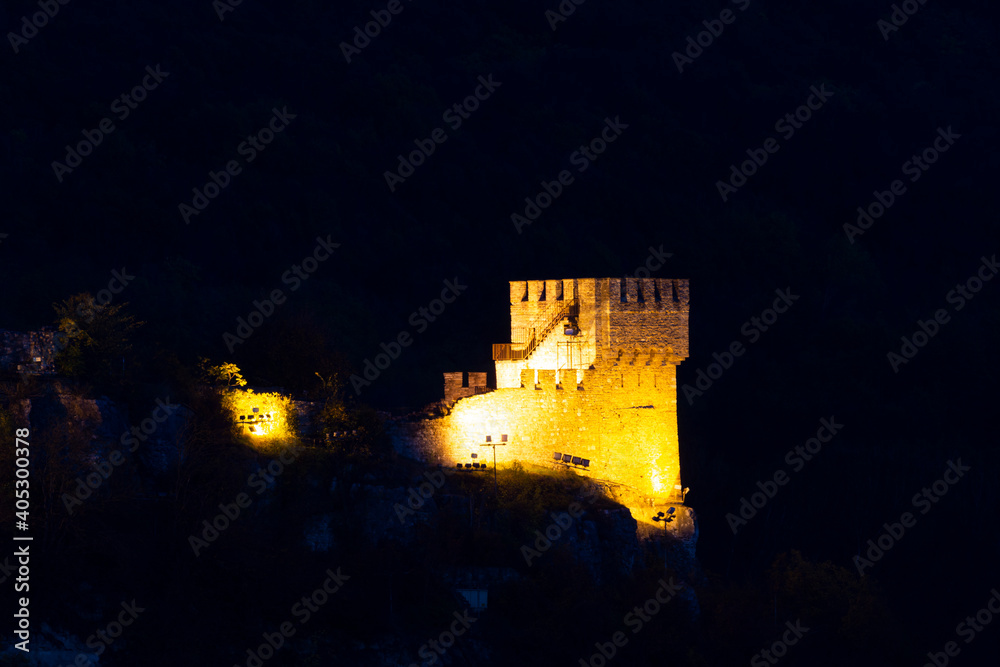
{"x":31,"y":353}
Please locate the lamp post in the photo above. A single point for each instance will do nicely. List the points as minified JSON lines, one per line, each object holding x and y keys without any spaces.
{"x":665,"y":518}
{"x":489,"y":443}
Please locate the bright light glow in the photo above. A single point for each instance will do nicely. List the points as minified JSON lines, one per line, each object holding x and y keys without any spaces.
{"x":264,"y":417}
{"x":633,"y":446}
{"x":608,"y":394}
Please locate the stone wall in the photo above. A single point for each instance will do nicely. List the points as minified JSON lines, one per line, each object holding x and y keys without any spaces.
{"x":31,"y":352}
{"x":634,"y":324}
{"x":622,"y":419}
{"x":456,"y":386}
{"x":609,"y":410}
{"x":616,"y":317}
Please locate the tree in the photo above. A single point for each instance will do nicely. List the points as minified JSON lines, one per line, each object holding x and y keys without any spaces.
{"x":227,"y":374}
{"x":94,"y":339}
{"x":356,"y":433}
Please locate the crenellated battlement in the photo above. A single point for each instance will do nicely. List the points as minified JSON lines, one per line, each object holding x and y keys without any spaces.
{"x":657,"y":292}
{"x":624,"y":379}
{"x":460,"y":384}
{"x":583,"y":323}
{"x":533,"y":301}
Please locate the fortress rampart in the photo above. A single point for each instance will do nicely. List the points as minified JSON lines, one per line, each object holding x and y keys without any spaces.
{"x":589,"y":374}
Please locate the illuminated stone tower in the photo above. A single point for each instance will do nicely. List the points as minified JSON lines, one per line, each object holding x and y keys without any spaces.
{"x":588,"y":381}
{"x":573,"y":325}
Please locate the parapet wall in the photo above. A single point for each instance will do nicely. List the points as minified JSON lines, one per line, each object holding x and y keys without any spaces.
{"x":622,"y":312}
{"x":614,"y":318}
{"x":534,"y":301}
{"x":456,"y":386}
{"x":647,"y":312}
{"x":622,"y":419}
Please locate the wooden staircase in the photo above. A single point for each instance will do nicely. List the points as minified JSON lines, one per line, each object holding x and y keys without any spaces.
{"x":537,"y":333}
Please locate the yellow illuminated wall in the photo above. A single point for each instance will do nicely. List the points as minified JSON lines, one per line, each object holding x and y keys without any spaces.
{"x":262,"y":418}
{"x":614,"y":405}
{"x":623,"y":420}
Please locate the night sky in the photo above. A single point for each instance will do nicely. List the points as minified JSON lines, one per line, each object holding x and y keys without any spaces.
{"x":210,"y":156}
